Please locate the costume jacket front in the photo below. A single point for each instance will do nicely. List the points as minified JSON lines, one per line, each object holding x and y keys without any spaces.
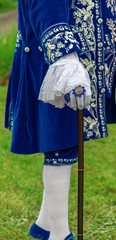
{"x":48,"y":30}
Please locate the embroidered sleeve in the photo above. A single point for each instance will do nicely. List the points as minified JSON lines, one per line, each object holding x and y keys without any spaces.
{"x":50,"y":23}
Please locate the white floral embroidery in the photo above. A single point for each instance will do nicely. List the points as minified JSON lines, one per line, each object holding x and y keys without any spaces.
{"x":18,"y":40}
{"x":112,"y":5}
{"x":84,"y":24}
{"x":53,"y":43}
{"x":111,"y":54}
{"x":10,"y":117}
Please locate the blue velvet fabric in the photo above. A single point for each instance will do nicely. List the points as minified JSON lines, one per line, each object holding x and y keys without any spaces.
{"x":62,"y":157}
{"x":48,"y":30}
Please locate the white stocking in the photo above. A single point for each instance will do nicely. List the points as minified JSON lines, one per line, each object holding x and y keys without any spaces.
{"x":56,"y":184}
{"x":43,"y":218}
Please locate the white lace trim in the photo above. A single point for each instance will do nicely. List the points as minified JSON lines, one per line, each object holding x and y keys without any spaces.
{"x":62,"y":76}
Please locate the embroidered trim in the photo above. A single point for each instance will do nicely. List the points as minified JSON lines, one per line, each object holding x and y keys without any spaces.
{"x":110,"y":57}
{"x":83,"y":23}
{"x":59,"y":161}
{"x":10,"y":120}
{"x":83,"y":27}
{"x":52,"y":27}
{"x":58,"y":41}
{"x":112,"y":5}
{"x":18,"y":40}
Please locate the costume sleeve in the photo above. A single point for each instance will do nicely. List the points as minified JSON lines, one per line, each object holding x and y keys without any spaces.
{"x":50,"y":23}
{"x":62,"y":76}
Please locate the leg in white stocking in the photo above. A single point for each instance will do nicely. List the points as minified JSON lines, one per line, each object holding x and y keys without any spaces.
{"x":56,"y":184}
{"x":43,"y":218}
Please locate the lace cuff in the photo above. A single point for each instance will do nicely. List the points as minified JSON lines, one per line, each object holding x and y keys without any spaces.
{"x":62,"y":76}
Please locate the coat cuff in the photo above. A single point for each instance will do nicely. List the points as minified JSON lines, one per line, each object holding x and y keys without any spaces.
{"x":57,"y":41}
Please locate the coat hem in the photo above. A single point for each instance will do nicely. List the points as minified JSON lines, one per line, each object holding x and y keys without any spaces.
{"x":28,"y":152}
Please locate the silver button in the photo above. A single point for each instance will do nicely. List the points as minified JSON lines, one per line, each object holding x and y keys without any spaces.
{"x":56,"y":154}
{"x":40,"y":49}
{"x":103,"y":90}
{"x":100,"y":20}
{"x":54,"y":162}
{"x":27,"y":49}
{"x":100,"y":44}
{"x":101,"y":67}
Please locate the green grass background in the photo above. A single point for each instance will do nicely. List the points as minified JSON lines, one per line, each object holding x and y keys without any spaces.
{"x":21,"y":187}
{"x":7,"y":42}
{"x":6,"y":5}
{"x":7,"y":47}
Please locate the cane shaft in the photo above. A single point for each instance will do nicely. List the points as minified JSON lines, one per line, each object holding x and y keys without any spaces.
{"x":80,"y":174}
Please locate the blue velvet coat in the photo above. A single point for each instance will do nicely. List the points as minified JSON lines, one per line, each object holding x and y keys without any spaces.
{"x":48,"y":30}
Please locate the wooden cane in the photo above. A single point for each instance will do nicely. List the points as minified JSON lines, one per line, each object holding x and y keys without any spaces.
{"x":80,"y":174}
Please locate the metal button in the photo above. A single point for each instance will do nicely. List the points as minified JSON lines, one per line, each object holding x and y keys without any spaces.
{"x":100,"y":44}
{"x":101,"y":67}
{"x":103,"y":90}
{"x":56,"y":154}
{"x":40,"y":49}
{"x":100,"y":20}
{"x":27,"y":49}
{"x":54,"y":162}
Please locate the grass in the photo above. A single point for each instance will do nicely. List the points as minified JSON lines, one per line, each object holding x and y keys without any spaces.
{"x":6,"y":5}
{"x":21,"y":187}
{"x":7,"y":47}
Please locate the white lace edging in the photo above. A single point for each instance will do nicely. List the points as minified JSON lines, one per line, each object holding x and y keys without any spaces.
{"x":62,"y":76}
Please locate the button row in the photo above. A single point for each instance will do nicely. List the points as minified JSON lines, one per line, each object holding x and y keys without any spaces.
{"x":100,"y":45}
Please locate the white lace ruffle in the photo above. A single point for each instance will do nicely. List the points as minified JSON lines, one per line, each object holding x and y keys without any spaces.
{"x":62,"y":76}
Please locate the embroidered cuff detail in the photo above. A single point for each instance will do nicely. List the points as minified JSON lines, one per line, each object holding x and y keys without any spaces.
{"x":57,"y":42}
{"x":82,"y":40}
